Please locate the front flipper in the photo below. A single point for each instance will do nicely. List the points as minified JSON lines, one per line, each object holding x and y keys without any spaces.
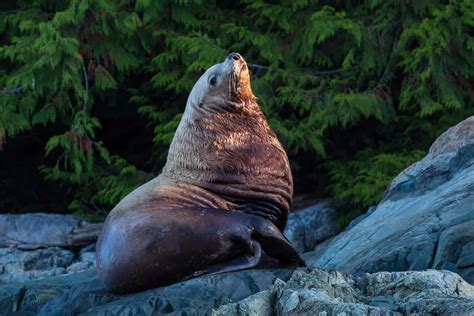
{"x":276,"y":246}
{"x":248,"y":261}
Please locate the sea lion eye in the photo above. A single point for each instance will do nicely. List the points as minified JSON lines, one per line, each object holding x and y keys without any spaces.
{"x":213,"y":80}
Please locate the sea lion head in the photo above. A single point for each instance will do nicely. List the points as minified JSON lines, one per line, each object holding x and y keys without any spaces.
{"x":224,"y":87}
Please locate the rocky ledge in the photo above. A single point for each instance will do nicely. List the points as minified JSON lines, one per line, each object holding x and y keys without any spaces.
{"x":253,"y":292}
{"x":37,"y":245}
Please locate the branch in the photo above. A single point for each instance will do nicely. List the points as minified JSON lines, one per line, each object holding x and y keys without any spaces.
{"x":86,"y":83}
{"x":85,"y":235}
{"x":326,"y":72}
{"x":258,"y":66}
{"x":96,"y":208}
{"x":12,"y":91}
{"x":31,"y":245}
{"x":392,"y":53}
{"x":81,"y":128}
{"x":316,"y":72}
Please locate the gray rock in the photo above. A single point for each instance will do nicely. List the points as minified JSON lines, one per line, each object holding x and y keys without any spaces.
{"x":87,"y":256}
{"x":80,"y":266}
{"x":451,"y":153}
{"x":10,"y":298}
{"x":318,"y":250}
{"x":259,"y":304}
{"x":90,"y":248}
{"x":29,"y":246}
{"x":429,"y":292}
{"x":18,"y":265}
{"x":319,"y":292}
{"x":359,"y":218}
{"x":310,"y":226}
{"x":426,"y":219}
{"x":82,"y":293}
{"x":35,"y":229}
{"x":86,"y":261}
{"x":253,"y":292}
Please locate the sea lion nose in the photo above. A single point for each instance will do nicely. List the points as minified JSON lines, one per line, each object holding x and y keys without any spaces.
{"x":235,"y":56}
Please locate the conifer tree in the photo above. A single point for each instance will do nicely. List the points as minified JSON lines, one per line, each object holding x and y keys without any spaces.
{"x":355,"y":90}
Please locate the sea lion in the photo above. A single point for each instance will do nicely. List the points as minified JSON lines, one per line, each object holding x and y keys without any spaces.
{"x":220,"y":203}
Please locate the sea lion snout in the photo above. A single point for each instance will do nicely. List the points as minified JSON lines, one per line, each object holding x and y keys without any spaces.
{"x":239,"y":78}
{"x":236,"y":62}
{"x":235,"y":56}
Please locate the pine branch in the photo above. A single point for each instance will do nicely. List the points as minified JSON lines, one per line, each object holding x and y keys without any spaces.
{"x":392,"y":53}
{"x":12,"y":91}
{"x":96,"y":208}
{"x":260,"y":67}
{"x":86,"y":83}
{"x":326,"y":72}
{"x":316,"y":72}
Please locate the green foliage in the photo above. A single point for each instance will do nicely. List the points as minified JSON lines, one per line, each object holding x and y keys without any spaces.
{"x":356,"y":91}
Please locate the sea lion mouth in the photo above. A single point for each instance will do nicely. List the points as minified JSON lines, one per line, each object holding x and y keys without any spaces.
{"x":239,"y":79}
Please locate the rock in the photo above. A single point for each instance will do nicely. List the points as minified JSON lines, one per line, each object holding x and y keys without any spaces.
{"x":310,"y":226}
{"x":319,"y":292}
{"x":82,"y":265}
{"x":359,"y":218}
{"x":451,"y":153}
{"x":10,"y":298}
{"x":82,"y":292}
{"x":252,"y":292}
{"x":20,"y":265}
{"x":86,"y":261}
{"x":30,"y":246}
{"x":17,"y":265}
{"x":85,"y":233}
{"x":429,"y":292}
{"x":305,"y":200}
{"x":33,"y":229}
{"x":317,"y":251}
{"x":426,"y":219}
{"x":258,"y":304}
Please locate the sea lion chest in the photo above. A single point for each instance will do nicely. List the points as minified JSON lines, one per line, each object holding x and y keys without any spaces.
{"x":237,"y":158}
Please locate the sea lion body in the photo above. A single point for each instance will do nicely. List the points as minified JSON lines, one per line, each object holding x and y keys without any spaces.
{"x":221,"y":202}
{"x":149,"y":249}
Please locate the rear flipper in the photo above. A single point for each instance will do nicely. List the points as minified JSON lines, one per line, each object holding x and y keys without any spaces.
{"x":277,"y":252}
{"x":276,"y":246}
{"x":247,"y":261}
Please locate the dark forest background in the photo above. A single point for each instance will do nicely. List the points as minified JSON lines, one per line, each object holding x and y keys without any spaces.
{"x":91,"y":91}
